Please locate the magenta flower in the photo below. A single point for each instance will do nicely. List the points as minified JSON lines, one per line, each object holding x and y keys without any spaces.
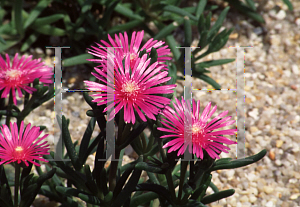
{"x":200,"y":135}
{"x":22,"y":147}
{"x":20,"y":73}
{"x":132,"y":51}
{"x":134,"y":90}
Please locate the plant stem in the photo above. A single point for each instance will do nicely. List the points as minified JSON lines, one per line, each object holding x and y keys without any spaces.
{"x":114,"y":163}
{"x":168,"y":173}
{"x":9,"y":108}
{"x":183,"y":168}
{"x":171,"y":184}
{"x":26,"y":110}
{"x":17,"y":178}
{"x":144,"y":142}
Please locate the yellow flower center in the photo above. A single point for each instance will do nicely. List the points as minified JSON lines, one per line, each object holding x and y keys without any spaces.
{"x":196,"y":129}
{"x":13,"y":74}
{"x":130,"y":90}
{"x":130,"y":87}
{"x":197,"y":134}
{"x":19,"y":149}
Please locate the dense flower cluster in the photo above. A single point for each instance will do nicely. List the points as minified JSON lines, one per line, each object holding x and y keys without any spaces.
{"x":130,"y":82}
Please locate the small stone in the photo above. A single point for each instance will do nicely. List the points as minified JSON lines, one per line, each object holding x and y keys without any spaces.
{"x":268,"y":189}
{"x":275,"y":40}
{"x":293,"y":180}
{"x":279,"y":143}
{"x":287,"y":73}
{"x":39,"y":51}
{"x":230,"y":174}
{"x":248,"y":100}
{"x":272,"y":155}
{"x":297,"y":21}
{"x":278,"y":163}
{"x":294,"y":87}
{"x":252,"y":198}
{"x":294,"y":196}
{"x":270,"y":204}
{"x":71,"y":80}
{"x":258,"y":30}
{"x":295,"y":69}
{"x":253,"y":129}
{"x":281,"y":15}
{"x":278,"y":26}
{"x":254,"y":113}
{"x":49,"y":51}
{"x":244,"y":198}
{"x":234,"y":36}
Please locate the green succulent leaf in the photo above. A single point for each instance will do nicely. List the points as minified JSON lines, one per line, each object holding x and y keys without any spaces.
{"x":36,"y":11}
{"x":125,"y":27}
{"x":47,"y":20}
{"x":29,"y":41}
{"x":18,"y":5}
{"x":160,"y":190}
{"x":49,"y":30}
{"x":289,"y":4}
{"x":238,"y":162}
{"x":179,"y":11}
{"x":5,"y":196}
{"x":69,"y":144}
{"x":77,"y":60}
{"x":211,"y":63}
{"x":244,"y":9}
{"x":200,"y":7}
{"x":86,"y":140}
{"x":148,"y":168}
{"x":121,"y":9}
{"x":128,"y":189}
{"x":217,"y":196}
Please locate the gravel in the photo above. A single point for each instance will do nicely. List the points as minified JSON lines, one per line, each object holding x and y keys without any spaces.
{"x":272,"y":107}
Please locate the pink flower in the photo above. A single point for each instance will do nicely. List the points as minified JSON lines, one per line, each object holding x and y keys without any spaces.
{"x":134,"y":90}
{"x":200,"y":135}
{"x":132,"y":51}
{"x":21,"y":73}
{"x":22,"y":147}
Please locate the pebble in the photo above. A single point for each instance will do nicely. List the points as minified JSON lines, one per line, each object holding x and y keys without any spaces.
{"x":252,"y":198}
{"x":244,"y":198}
{"x":294,"y":196}
{"x":270,"y":204}
{"x":268,"y":189}
{"x":297,"y":22}
{"x":295,"y":69}
{"x":281,"y":15}
{"x":279,"y":143}
{"x":272,"y":155}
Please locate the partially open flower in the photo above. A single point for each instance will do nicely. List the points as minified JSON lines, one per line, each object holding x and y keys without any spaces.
{"x":133,"y":50}
{"x":199,"y":134}
{"x":23,"y":146}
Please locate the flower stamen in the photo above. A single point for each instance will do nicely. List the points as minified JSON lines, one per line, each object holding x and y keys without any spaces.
{"x":13,"y":74}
